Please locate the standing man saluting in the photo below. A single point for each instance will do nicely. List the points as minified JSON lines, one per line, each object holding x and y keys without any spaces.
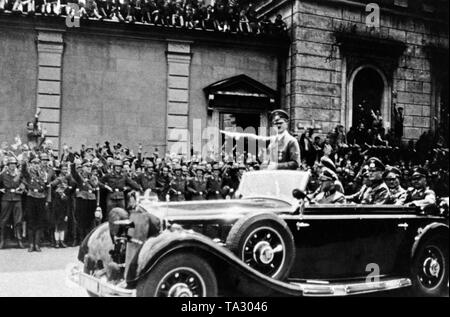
{"x":284,"y":150}
{"x":117,"y":183}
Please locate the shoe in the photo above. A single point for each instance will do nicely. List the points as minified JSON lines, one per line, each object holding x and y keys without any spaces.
{"x":20,"y":244}
{"x":2,"y":238}
{"x":18,"y":233}
{"x":75,"y":243}
{"x":37,"y":240}
{"x":56,"y":245}
{"x":31,"y":248}
{"x":62,"y":244}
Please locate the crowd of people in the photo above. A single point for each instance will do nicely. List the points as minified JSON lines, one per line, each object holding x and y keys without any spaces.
{"x":59,"y":197}
{"x":221,"y":15}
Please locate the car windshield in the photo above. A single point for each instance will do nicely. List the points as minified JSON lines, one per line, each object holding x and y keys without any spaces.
{"x":277,"y":184}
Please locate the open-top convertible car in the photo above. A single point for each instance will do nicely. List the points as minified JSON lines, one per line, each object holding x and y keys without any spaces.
{"x":269,"y":242}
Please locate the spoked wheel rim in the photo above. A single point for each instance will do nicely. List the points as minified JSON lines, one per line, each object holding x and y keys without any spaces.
{"x":264,"y":250}
{"x":181,"y":282}
{"x":431,"y":267}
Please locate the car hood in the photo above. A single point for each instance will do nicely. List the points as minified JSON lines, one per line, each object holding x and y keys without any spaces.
{"x":215,"y":209}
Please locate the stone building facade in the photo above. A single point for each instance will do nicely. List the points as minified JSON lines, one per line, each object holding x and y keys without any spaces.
{"x":160,"y":87}
{"x":334,"y":49}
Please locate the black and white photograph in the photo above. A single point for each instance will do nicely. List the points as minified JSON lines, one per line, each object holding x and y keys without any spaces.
{"x":228,"y":149}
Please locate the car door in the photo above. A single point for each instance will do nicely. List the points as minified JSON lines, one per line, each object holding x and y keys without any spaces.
{"x":345,"y":241}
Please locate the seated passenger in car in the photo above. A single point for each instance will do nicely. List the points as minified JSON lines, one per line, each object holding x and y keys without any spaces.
{"x":328,"y":193}
{"x":392,"y":179}
{"x":378,"y":194}
{"x":362,"y":192}
{"x":420,"y":194}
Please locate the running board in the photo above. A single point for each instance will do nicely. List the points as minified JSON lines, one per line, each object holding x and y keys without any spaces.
{"x":333,"y":289}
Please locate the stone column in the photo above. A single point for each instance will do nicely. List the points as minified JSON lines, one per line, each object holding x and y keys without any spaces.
{"x":179,"y":61}
{"x":50,"y":47}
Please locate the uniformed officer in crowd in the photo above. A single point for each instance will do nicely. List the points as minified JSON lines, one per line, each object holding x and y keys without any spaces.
{"x":163,"y":183}
{"x":147,"y":179}
{"x":35,"y":179}
{"x":87,"y":189}
{"x":378,"y":194}
{"x":215,"y":184}
{"x":420,"y":194}
{"x":12,"y":188}
{"x":47,"y":166}
{"x":178,"y":184}
{"x":397,"y":192}
{"x":328,"y":193}
{"x":197,"y":186}
{"x":116,"y":183}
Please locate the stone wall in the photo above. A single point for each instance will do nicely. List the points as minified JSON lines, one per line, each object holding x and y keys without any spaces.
{"x":18,"y":85}
{"x":122,"y":83}
{"x":113,"y":89}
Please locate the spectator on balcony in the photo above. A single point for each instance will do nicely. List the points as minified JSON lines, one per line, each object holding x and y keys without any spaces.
{"x":233,"y":16}
{"x":189,"y":18}
{"x":266,"y":25}
{"x":106,"y":8}
{"x":279,"y":25}
{"x":167,"y":11}
{"x":177,"y":18}
{"x":208,"y":16}
{"x":244,"y":25}
{"x":147,"y":7}
{"x":136,"y":11}
{"x":92,"y":10}
{"x":252,"y":19}
{"x":22,"y":6}
{"x":221,"y":19}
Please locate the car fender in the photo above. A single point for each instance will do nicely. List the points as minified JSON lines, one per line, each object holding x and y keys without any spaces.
{"x":427,"y":231}
{"x":180,"y":240}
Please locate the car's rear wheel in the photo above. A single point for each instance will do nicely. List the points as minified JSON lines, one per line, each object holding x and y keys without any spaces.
{"x":264,"y":242}
{"x":430,"y":267}
{"x":179,"y":275}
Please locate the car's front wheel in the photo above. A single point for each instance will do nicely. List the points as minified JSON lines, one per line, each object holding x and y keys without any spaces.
{"x":430,"y":267}
{"x":179,"y":275}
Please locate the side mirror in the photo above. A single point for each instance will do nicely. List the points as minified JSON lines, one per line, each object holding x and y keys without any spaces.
{"x":299,"y":194}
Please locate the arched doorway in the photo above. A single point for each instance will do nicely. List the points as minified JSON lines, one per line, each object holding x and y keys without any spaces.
{"x":368,"y":91}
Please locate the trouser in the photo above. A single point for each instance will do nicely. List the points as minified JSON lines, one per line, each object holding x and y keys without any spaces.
{"x":84,"y":216}
{"x":9,"y":208}
{"x":34,"y":238}
{"x":36,"y":218}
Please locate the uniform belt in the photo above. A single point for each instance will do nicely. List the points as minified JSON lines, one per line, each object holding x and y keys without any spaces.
{"x":36,"y":190}
{"x":11,"y":190}
{"x":90,"y":191}
{"x":116,"y":190}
